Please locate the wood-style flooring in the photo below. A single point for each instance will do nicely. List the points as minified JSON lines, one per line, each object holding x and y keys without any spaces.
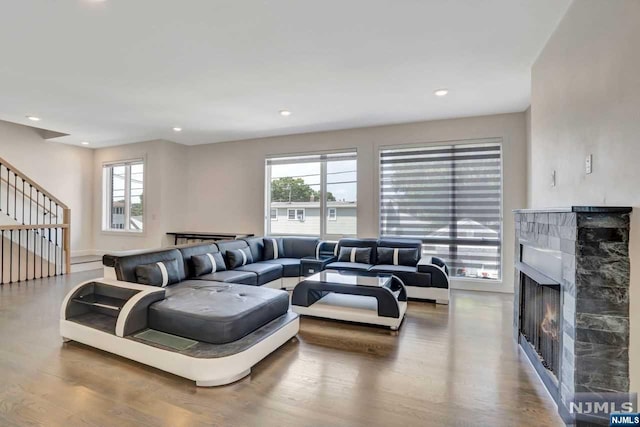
{"x":447,"y":366}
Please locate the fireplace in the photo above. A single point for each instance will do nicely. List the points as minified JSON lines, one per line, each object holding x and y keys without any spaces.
{"x":540,"y":314}
{"x":540,"y":322}
{"x":571,"y":307}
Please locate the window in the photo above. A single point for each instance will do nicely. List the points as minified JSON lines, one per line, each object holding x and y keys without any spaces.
{"x":450,"y":196}
{"x":274,"y":214}
{"x":306,"y":186}
{"x":296,"y":214}
{"x":123,"y":207}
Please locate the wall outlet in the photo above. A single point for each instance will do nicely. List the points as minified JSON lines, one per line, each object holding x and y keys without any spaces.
{"x":553,"y":178}
{"x":588,"y":164}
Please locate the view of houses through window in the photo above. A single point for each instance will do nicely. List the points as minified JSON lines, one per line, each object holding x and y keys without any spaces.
{"x":450,"y":197}
{"x":123,"y":207}
{"x":300,"y":188}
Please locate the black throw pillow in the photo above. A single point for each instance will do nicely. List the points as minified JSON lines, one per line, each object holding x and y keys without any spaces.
{"x":273,"y":248}
{"x":398,"y":256}
{"x":207,"y":263}
{"x":360,"y":255}
{"x":238,"y":257}
{"x":158,"y":274}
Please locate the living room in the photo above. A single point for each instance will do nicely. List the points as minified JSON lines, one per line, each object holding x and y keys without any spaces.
{"x":498,"y":138}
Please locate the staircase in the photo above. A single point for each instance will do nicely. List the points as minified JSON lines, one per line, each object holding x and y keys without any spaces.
{"x":34,"y":229}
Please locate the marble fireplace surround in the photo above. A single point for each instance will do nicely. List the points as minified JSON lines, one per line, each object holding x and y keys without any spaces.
{"x":591,"y":245}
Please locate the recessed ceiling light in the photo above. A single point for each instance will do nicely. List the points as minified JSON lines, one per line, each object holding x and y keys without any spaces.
{"x":33,"y":118}
{"x":441,"y":92}
{"x":285,"y":113}
{"x":177,"y":129}
{"x":84,"y":143}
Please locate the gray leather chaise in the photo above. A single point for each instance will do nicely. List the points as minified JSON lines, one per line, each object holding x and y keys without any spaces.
{"x":158,"y":308}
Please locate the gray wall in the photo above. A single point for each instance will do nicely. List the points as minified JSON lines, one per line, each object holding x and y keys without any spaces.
{"x":586,"y":99}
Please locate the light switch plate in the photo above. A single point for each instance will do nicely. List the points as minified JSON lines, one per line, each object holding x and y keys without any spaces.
{"x":588,"y":164}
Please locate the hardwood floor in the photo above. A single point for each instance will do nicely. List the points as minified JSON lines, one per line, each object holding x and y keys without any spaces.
{"x":447,"y":366}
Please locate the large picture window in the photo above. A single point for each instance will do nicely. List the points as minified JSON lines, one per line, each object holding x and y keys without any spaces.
{"x":316,"y":193}
{"x":450,"y":197}
{"x":123,"y":205}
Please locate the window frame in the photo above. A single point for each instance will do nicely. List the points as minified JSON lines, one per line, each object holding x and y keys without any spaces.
{"x":271,"y":216}
{"x":324,"y":158}
{"x":107,"y":193}
{"x":434,"y":144}
{"x":296,"y":211}
{"x":335,"y":214}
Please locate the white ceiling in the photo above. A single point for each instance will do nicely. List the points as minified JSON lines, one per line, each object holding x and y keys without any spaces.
{"x":120,"y":71}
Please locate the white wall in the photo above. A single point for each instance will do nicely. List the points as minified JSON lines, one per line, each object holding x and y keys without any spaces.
{"x":586,"y":99}
{"x":226,"y":180}
{"x":63,"y":170}
{"x":164,"y":194}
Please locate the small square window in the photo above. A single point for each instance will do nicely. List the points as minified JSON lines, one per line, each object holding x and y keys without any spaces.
{"x":332,"y":214}
{"x":274,"y":214}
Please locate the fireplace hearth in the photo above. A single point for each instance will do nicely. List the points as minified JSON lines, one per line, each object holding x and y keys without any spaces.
{"x":571,"y":305}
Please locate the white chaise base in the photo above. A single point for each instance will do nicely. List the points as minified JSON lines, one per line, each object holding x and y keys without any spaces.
{"x":205,"y":372}
{"x":439,"y":295}
{"x":351,"y":308}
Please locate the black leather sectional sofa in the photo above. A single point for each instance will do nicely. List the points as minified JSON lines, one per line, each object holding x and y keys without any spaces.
{"x":280,"y":262}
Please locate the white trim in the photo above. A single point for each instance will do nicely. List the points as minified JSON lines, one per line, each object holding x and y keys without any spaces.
{"x":439,"y":295}
{"x":106,"y":281}
{"x":335,"y":250}
{"x":214,"y":266}
{"x":125,"y":311}
{"x":318,"y":250}
{"x":396,"y":253}
{"x":351,"y":308}
{"x":244,"y":257}
{"x":274,"y":242}
{"x":205,"y":372}
{"x":335,"y":214}
{"x":164,"y":272}
{"x":352,"y":255}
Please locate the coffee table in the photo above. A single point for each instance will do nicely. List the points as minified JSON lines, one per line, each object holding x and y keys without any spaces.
{"x":362,"y":297}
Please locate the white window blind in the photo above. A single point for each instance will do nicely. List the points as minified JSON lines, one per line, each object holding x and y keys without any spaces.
{"x":450,"y":197}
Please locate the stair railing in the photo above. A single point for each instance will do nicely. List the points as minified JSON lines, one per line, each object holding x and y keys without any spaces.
{"x":35,"y":234}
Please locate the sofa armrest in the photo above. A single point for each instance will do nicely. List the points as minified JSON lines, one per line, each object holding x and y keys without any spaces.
{"x":438,"y":269}
{"x":326,"y":248}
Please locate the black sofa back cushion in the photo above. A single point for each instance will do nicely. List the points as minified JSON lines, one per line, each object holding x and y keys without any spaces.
{"x":273,"y":248}
{"x":299,"y":247}
{"x":161,"y":273}
{"x":257,"y":247}
{"x":125,"y":265}
{"x":359,"y":255}
{"x":398,"y":256}
{"x":225,"y":245}
{"x":208,"y":263}
{"x":191,"y":250}
{"x":238,"y":257}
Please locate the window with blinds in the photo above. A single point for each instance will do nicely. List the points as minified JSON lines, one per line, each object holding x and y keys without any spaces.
{"x":450,"y":197}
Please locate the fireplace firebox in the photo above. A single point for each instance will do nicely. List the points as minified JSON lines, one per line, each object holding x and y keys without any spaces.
{"x":540,"y":323}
